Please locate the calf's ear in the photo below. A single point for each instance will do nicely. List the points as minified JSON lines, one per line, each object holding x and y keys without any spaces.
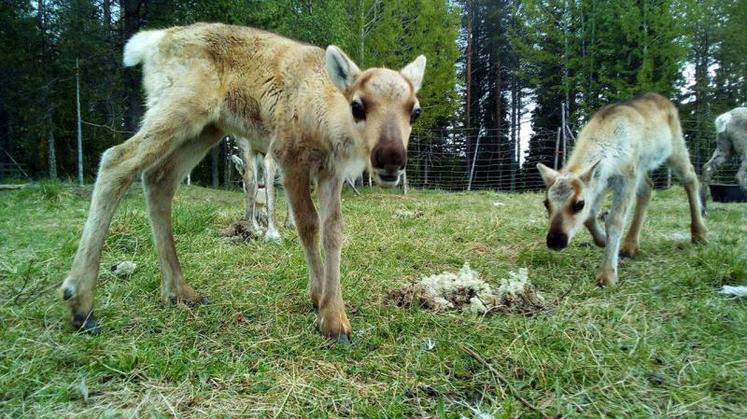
{"x":548,"y":175}
{"x":340,"y":68}
{"x":589,"y":173}
{"x":414,"y":72}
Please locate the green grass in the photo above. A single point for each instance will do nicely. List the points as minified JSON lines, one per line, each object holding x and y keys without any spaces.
{"x":661,"y":343}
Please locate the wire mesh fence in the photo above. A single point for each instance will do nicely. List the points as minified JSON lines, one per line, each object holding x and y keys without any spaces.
{"x":460,"y":160}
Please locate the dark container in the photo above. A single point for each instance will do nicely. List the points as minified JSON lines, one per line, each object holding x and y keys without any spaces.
{"x":728,"y":193}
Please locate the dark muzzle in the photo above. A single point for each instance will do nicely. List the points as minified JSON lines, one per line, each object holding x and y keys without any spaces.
{"x":557,"y":241}
{"x":389,"y":160}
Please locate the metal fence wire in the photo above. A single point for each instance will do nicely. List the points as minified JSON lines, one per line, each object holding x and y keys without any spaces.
{"x":446,"y":159}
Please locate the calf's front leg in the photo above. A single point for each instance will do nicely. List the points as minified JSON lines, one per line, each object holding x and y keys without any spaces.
{"x":333,"y":321}
{"x":615,"y":222}
{"x":592,"y":224}
{"x":324,"y":279}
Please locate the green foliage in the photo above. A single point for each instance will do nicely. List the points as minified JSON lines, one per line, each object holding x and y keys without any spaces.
{"x":90,"y":32}
{"x":400,"y":31}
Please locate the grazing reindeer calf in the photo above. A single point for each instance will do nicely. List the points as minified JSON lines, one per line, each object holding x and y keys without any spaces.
{"x":616,"y":150}
{"x":321,"y":116}
{"x":731,"y":132}
{"x":249,"y":151}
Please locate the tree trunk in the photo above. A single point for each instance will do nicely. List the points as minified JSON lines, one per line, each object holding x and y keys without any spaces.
{"x":132,"y":11}
{"x":514,"y":129}
{"x":49,"y":112}
{"x":503,"y":151}
{"x":468,"y":74}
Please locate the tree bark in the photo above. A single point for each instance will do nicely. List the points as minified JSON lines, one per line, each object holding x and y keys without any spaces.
{"x":132,"y":13}
{"x":49,"y":111}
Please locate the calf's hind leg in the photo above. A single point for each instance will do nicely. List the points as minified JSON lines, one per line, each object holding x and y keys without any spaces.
{"x":269,"y":164}
{"x":158,"y":137}
{"x":630,"y":244}
{"x":250,"y":183}
{"x":160,"y":183}
{"x":680,"y":165}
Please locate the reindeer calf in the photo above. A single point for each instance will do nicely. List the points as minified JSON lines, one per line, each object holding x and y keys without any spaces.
{"x":731,"y":132}
{"x":616,"y":150}
{"x":321,"y":117}
{"x":248,"y":168}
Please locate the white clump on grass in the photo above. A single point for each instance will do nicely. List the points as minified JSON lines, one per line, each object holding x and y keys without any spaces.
{"x":465,"y":290}
{"x":124,"y":269}
{"x":406,"y":214}
{"x":679,"y":236}
{"x":735,"y":290}
{"x":441,"y":286}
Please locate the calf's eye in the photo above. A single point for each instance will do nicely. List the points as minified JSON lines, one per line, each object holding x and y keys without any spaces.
{"x":359,"y":112}
{"x":578,"y":206}
{"x":415,"y":115}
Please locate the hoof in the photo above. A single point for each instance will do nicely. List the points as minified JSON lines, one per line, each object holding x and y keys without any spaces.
{"x":196,"y":301}
{"x":606,"y":279}
{"x":334,"y":325}
{"x":272,"y":236}
{"x":699,"y":239}
{"x":344,"y":340}
{"x":628,"y":251}
{"x":67,"y":293}
{"x":86,"y":324}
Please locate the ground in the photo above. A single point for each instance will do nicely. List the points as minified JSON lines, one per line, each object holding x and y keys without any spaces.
{"x":661,"y":343}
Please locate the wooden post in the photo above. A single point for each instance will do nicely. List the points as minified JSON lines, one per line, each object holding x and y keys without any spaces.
{"x":80,"y":131}
{"x":563,"y":129}
{"x":557,"y":150}
{"x":474,"y":160}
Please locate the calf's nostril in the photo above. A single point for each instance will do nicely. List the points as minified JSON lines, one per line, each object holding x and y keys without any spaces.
{"x":557,"y":241}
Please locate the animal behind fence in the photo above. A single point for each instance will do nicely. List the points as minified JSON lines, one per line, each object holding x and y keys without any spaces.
{"x":445,"y":159}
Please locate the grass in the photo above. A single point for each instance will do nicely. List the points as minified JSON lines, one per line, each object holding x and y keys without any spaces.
{"x":661,"y":343}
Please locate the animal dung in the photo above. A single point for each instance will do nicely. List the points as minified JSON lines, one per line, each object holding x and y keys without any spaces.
{"x":124,"y":269}
{"x":239,"y":232}
{"x":465,"y":291}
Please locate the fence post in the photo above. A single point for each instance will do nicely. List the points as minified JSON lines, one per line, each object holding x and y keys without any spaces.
{"x":79,"y":129}
{"x":557,"y":150}
{"x":474,"y":160}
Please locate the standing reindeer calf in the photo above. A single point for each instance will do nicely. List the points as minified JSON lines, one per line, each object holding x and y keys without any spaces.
{"x":247,"y":165}
{"x":616,"y":150}
{"x":731,"y":135}
{"x":320,"y":116}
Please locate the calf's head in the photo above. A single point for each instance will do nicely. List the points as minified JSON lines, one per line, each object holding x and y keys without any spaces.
{"x":383,"y":106}
{"x":568,"y":203}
